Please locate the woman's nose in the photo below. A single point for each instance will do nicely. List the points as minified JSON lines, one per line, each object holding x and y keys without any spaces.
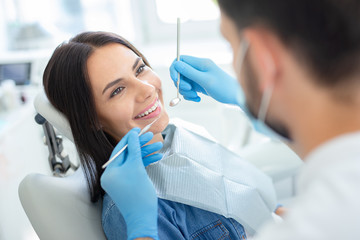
{"x":144,"y":90}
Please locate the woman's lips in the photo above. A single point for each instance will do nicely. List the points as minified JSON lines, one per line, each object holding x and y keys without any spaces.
{"x":153,"y":114}
{"x":151,"y":111}
{"x":148,"y":107}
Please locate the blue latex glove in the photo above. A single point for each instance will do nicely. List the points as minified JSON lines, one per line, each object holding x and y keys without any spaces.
{"x":128,"y":185}
{"x":149,"y":149}
{"x":202,"y":75}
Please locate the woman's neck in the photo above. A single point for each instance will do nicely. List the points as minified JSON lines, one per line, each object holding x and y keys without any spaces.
{"x":158,"y":137}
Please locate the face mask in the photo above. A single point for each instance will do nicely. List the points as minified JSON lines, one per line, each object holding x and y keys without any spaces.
{"x":258,"y":122}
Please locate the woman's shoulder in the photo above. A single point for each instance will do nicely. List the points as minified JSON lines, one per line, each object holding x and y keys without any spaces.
{"x":113,"y":223}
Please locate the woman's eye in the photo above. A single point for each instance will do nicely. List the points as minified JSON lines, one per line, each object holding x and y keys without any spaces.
{"x":116,"y":91}
{"x":140,"y":69}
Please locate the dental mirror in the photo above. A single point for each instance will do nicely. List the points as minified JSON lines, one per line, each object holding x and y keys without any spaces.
{"x":176,"y":100}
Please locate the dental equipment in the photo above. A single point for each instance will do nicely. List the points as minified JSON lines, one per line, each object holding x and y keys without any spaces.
{"x":58,"y":158}
{"x":176,"y":100}
{"x":119,"y":152}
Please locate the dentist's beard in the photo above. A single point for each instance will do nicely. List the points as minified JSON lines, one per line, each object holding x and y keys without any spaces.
{"x":254,"y":98}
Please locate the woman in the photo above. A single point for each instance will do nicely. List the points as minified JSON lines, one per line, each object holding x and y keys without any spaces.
{"x":105,"y":87}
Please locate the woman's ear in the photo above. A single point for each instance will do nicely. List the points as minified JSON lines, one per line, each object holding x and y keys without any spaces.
{"x":263,"y":55}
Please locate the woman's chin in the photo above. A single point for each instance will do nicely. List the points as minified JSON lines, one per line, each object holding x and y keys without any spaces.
{"x":161,"y":123}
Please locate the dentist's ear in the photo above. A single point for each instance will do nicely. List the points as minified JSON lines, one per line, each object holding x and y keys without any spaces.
{"x":263,"y":56}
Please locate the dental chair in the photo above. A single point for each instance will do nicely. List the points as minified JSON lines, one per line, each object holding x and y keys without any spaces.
{"x":59,"y":206}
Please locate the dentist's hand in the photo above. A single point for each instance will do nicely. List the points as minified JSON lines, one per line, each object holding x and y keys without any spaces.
{"x":201,"y":75}
{"x":128,"y":185}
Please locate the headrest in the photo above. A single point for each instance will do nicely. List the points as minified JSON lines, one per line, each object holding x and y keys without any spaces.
{"x":53,"y":116}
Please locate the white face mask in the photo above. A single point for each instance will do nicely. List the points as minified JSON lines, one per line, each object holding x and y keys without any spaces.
{"x":259,"y":121}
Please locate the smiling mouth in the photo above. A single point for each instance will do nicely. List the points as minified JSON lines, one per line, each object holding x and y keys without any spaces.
{"x":150,"y":110}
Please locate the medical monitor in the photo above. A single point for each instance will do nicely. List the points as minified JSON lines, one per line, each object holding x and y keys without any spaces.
{"x":20,"y":72}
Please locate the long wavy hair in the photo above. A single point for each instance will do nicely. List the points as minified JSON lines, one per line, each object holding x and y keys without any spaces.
{"x":67,"y":86}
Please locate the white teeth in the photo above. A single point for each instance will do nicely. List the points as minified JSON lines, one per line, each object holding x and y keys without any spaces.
{"x":149,"y":110}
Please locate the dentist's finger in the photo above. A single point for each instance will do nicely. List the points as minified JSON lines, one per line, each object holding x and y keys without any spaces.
{"x":201,"y":64}
{"x":152,"y":158}
{"x":134,"y":150}
{"x":196,"y":99}
{"x":191,"y":73}
{"x":189,"y":94}
{"x":184,"y":84}
{"x":173,"y":72}
{"x":145,"y":138}
{"x":151,"y":148}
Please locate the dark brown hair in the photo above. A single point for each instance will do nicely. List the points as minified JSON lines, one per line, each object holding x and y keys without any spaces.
{"x":323,"y":34}
{"x":68,"y":88}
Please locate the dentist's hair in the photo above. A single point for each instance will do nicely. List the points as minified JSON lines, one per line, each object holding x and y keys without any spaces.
{"x":67,"y":86}
{"x":323,"y":34}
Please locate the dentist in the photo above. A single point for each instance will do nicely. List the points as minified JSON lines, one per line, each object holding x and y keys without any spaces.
{"x":298,"y":63}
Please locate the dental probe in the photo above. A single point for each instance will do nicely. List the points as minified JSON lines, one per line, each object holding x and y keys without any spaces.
{"x":176,"y":100}
{"x":119,"y":152}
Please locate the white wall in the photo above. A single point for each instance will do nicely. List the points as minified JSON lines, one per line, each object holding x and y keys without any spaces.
{"x":3,"y":39}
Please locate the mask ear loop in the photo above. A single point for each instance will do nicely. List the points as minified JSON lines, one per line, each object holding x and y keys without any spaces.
{"x":265,"y":101}
{"x":244,"y":46}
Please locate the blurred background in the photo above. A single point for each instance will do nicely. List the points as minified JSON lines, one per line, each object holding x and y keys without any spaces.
{"x":31,"y":29}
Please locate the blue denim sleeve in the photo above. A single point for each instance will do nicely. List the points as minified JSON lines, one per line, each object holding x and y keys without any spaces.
{"x":195,"y":223}
{"x":113,"y":223}
{"x":175,"y":221}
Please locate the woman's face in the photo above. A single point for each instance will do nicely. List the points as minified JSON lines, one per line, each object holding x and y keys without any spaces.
{"x":127,"y":93}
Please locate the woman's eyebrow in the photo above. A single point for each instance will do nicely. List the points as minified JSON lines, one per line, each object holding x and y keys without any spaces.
{"x":109,"y":85}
